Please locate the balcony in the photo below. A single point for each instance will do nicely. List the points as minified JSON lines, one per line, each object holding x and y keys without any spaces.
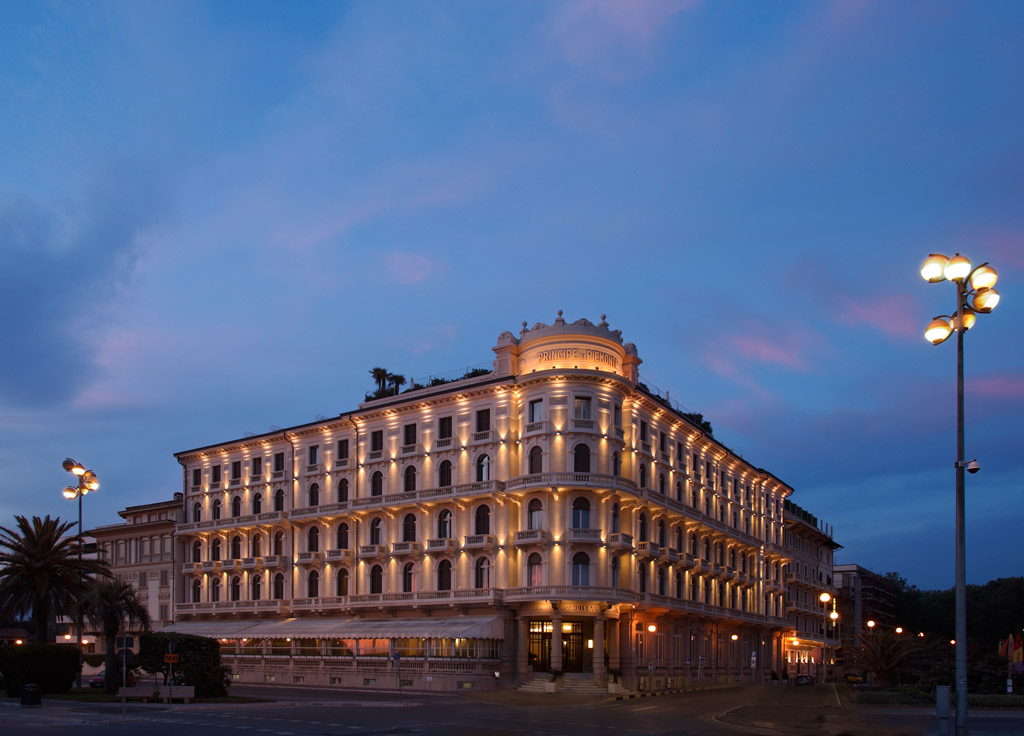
{"x":583,"y":536}
{"x":420,"y":598}
{"x":313,"y":469}
{"x":277,"y":475}
{"x":527,"y":537}
{"x":210,"y":566}
{"x":478,"y":438}
{"x":585,"y":425}
{"x":372,"y":551}
{"x":403,"y":549}
{"x":669,"y":554}
{"x":274,"y":561}
{"x":445,"y":443}
{"x":271,"y":517}
{"x":408,"y":449}
{"x":717,"y":570}
{"x":686,"y":560}
{"x":619,"y":432}
{"x":339,"y":555}
{"x":573,"y":480}
{"x":341,"y":462}
{"x":648,"y":549}
{"x":252,"y":563}
{"x":374,"y":455}
{"x":192,"y":568}
{"x":620,"y":541}
{"x":533,"y":428}
{"x":232,"y":564}
{"x":441,"y":546}
{"x":478,"y":541}
{"x":307,"y":512}
{"x":311,"y":558}
{"x":569,"y":592}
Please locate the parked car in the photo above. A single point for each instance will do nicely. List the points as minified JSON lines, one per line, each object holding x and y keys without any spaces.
{"x":97,"y":680}
{"x":852,"y":679}
{"x":803,"y":681}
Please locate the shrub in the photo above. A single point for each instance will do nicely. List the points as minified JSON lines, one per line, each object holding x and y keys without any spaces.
{"x":95,"y":660}
{"x":53,"y":667}
{"x":198,"y":661}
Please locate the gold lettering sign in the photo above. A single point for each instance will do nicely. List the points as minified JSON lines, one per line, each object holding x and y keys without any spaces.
{"x":592,"y":356}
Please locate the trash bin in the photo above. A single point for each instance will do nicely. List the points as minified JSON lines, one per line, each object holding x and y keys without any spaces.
{"x":31,"y":696}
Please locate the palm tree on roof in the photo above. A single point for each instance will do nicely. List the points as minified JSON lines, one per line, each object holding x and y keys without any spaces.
{"x":380,"y":375}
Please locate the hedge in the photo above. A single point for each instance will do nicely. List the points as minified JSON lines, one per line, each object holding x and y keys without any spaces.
{"x":53,"y":667}
{"x":198,"y":661}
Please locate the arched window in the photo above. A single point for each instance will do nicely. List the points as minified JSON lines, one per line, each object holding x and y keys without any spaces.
{"x":215,"y":590}
{"x":661,"y":483}
{"x":707,"y":550}
{"x":279,"y":499}
{"x":616,"y":464}
{"x":256,"y":588}
{"x":535,"y":514}
{"x":444,"y":474}
{"x":216,"y":509}
{"x":197,"y":512}
{"x":410,"y":479}
{"x":342,"y":536}
{"x":278,"y":587}
{"x":236,"y":588}
{"x":257,"y":545}
{"x":642,"y":528}
{"x":444,"y":524}
{"x":313,"y":539}
{"x":581,"y":569}
{"x":482,"y":573}
{"x":343,"y":490}
{"x":694,"y":590}
{"x":581,"y":459}
{"x":679,"y":585}
{"x":483,"y":468}
{"x":215,"y":550}
{"x":444,"y":575}
{"x":313,"y":584}
{"x":679,"y":491}
{"x":662,"y":536}
{"x":236,"y":506}
{"x":377,"y":531}
{"x":694,"y":498}
{"x":377,"y":483}
{"x":580,"y":513}
{"x":483,"y":520}
{"x":616,"y":572}
{"x":257,"y":503}
{"x":534,"y":570}
{"x":679,"y":539}
{"x":641,"y":577}
{"x":407,"y":577}
{"x":314,"y":494}
{"x":279,"y":543}
{"x":662,"y":582}
{"x":343,"y":581}
{"x":616,"y":519}
{"x":693,"y":544}
{"x":409,"y":529}
{"x":536,"y":462}
{"x":376,"y":580}
{"x":732,"y":559}
{"x":197,"y":551}
{"x":197,"y":591}
{"x":236,"y":547}
{"x":643,"y":476}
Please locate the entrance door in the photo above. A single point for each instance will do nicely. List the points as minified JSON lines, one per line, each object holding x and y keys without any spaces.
{"x":572,"y":646}
{"x":539,"y":644}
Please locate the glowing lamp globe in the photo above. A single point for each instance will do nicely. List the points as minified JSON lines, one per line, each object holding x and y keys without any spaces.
{"x":933,"y":267}
{"x":938,"y":330}
{"x":70,"y":493}
{"x":958,"y":268}
{"x":985,"y":300}
{"x":983,"y":277}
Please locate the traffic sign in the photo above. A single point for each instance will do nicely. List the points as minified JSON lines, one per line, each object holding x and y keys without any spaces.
{"x":170,"y":659}
{"x":126,"y":657}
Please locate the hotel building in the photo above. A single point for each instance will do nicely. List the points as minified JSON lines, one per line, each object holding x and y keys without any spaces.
{"x":552,"y":514}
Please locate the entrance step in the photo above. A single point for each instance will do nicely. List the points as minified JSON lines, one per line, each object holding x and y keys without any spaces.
{"x":566,"y":684}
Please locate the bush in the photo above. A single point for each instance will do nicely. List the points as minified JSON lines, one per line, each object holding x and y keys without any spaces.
{"x":95,"y":660}
{"x":53,"y":667}
{"x":198,"y":661}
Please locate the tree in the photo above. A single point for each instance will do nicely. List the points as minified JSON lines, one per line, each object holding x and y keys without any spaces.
{"x":397,"y":380}
{"x":41,"y":573}
{"x":109,"y":605}
{"x":380,"y":375}
{"x":890,"y":656}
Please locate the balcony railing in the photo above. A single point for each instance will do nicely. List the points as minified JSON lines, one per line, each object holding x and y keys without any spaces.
{"x":339,"y":555}
{"x":405,"y":548}
{"x":273,"y":561}
{"x":444,"y":443}
{"x":482,"y":488}
{"x":576,"y":480}
{"x":648,"y":549}
{"x":478,"y":541}
{"x":192,"y":568}
{"x":536,"y":428}
{"x":372,"y":551}
{"x":620,"y":540}
{"x":569,"y":592}
{"x":531,"y":536}
{"x":669,"y":554}
{"x":210,"y":566}
{"x":584,"y":536}
{"x":252,"y":563}
{"x":311,"y":558}
{"x":441,"y":545}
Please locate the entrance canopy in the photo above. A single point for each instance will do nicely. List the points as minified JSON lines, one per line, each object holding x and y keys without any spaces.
{"x":330,"y":627}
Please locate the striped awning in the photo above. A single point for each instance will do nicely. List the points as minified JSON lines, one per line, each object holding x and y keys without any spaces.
{"x":331,"y":627}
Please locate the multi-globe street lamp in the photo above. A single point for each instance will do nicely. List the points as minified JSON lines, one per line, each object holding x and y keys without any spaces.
{"x":87,"y":483}
{"x":824,"y":598}
{"x":974,"y":295}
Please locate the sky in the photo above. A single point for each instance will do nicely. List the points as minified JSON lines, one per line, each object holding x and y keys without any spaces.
{"x":216,"y":217}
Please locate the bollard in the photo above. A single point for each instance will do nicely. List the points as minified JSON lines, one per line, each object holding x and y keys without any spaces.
{"x":942,"y":708}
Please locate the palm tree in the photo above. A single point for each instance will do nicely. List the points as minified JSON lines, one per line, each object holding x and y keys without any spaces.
{"x":42,"y":572}
{"x":380,"y":375}
{"x":890,"y":656}
{"x":109,"y":605}
{"x":397,"y":380}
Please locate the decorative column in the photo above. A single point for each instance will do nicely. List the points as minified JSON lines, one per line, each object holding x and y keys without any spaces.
{"x":614,"y":661}
{"x":522,"y":664}
{"x":556,"y":640}
{"x":599,"y":646}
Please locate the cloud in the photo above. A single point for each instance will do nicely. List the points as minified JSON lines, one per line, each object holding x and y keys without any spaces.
{"x":410,"y":268}
{"x":998,"y":387}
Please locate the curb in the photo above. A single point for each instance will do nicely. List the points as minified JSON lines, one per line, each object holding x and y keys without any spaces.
{"x":635,"y":696}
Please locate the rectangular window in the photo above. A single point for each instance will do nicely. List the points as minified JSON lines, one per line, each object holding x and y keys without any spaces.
{"x":343,"y":449}
{"x":409,"y":431}
{"x":663,"y":442}
{"x":536,"y":411}
{"x":215,"y":474}
{"x":680,"y":456}
{"x":197,"y":476}
{"x":314,"y":455}
{"x":617,"y":416}
{"x":257,"y":466}
{"x":163,"y":577}
{"x":581,"y":407}
{"x":708,"y":472}
{"x":483,"y":420}
{"x":142,"y":579}
{"x":236,"y":469}
{"x":643,"y":431}
{"x":696,"y":467}
{"x":163,"y":612}
{"x":278,"y":462}
{"x":377,"y":440}
{"x":444,"y":428}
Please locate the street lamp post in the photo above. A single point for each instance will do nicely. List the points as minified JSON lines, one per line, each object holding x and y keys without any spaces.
{"x":87,"y":483}
{"x":835,"y":617}
{"x":824,"y":598}
{"x":974,"y":295}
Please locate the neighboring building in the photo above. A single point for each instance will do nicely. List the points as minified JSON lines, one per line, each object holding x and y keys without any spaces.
{"x":141,"y":551}
{"x":863,"y":596}
{"x":811,"y":641}
{"x":551,"y":514}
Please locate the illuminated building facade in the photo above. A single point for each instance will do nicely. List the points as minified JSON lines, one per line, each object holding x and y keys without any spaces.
{"x":551,"y":514}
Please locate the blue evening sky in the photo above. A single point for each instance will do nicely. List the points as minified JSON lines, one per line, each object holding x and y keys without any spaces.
{"x":217,"y":217}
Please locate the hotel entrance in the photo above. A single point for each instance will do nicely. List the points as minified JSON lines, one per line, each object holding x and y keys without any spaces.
{"x":575,"y":655}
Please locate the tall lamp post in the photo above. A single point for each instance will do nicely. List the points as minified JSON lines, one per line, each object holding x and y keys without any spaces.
{"x":835,"y":617}
{"x":824,"y":598}
{"x":974,"y":295}
{"x":87,"y":483}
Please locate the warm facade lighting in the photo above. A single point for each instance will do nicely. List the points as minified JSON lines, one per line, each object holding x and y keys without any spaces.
{"x":652,"y":628}
{"x":958,"y":268}
{"x":933,"y":267}
{"x":734,"y":637}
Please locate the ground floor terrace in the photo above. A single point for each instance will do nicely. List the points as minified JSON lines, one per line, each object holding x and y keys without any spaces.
{"x":642,"y":645}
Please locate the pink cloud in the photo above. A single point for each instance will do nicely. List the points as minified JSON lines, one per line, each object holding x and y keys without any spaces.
{"x":998,"y":387}
{"x":411,"y":268}
{"x":896,"y":315}
{"x":725,"y":366}
{"x":784,"y":350}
